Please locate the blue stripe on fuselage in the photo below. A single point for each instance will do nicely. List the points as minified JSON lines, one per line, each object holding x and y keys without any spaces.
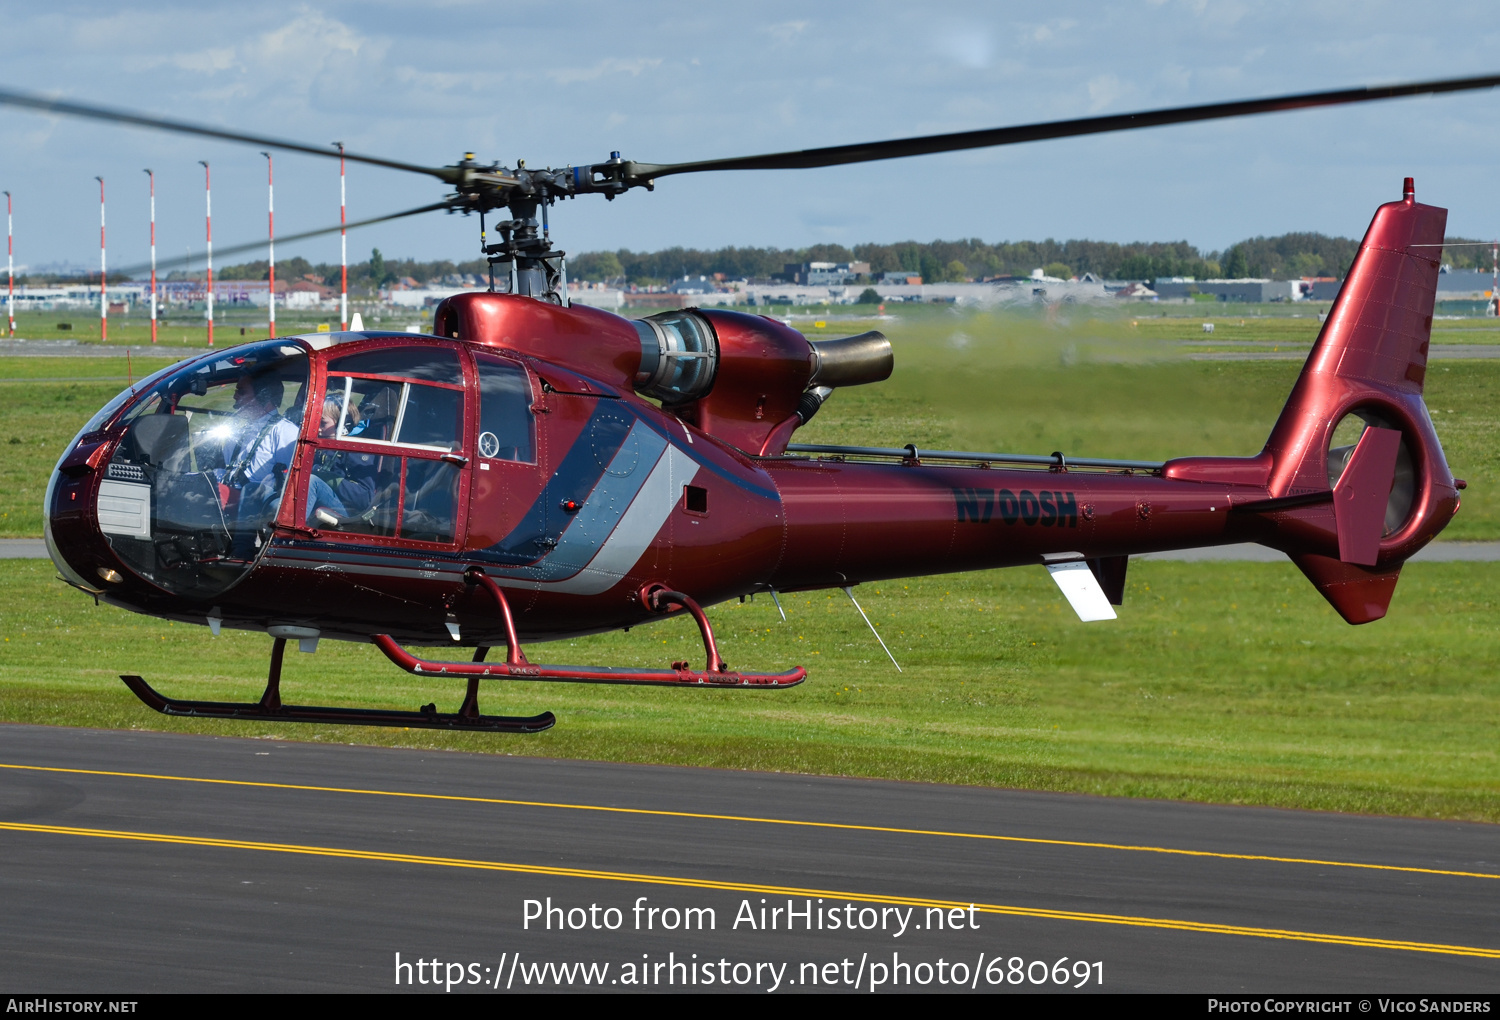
{"x":576,"y":477}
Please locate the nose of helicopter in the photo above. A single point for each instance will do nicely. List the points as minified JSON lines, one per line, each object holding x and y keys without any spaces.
{"x":172,"y":488}
{"x":79,"y":550}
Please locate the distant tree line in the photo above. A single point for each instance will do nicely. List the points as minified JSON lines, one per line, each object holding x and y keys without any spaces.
{"x":1289,"y":256}
{"x":935,"y":261}
{"x":364,"y":277}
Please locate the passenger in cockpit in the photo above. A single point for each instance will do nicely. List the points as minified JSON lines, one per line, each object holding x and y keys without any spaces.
{"x":343,"y":480}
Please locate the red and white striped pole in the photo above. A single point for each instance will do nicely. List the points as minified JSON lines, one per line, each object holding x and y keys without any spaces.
{"x":103,"y":276}
{"x":208,"y":198}
{"x":10,"y":268}
{"x":343,"y":249}
{"x":271,"y":229}
{"x":152,"y":177}
{"x":1494,"y":281}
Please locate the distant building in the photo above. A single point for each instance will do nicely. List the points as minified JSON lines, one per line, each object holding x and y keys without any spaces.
{"x":1136,"y":292}
{"x":1464,"y":284}
{"x":901,"y":277}
{"x":657,"y":300}
{"x":825,"y":274}
{"x":596,"y":295}
{"x":692,"y":285}
{"x":1320,"y":288}
{"x":1249,"y":291}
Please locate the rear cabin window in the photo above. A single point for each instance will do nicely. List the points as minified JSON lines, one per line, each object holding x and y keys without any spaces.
{"x":505,"y":420}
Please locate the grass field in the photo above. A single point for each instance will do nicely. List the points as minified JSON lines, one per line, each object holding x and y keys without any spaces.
{"x":190,"y":328}
{"x":1230,"y":683}
{"x":1224,"y":682}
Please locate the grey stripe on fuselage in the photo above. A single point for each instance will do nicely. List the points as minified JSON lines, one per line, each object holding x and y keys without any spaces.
{"x":653,"y":504}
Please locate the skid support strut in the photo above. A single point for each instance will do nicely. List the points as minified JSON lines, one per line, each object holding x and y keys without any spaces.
{"x":516,"y":666}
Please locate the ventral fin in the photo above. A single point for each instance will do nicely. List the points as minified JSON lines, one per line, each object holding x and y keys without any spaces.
{"x":1080,"y":587}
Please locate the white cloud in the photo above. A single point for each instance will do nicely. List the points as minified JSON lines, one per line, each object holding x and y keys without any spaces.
{"x":607,"y":66}
{"x":786,"y":31}
{"x":1103,"y":90}
{"x":289,"y":58}
{"x":1048,"y":31}
{"x":969,"y":46}
{"x":206,"y":61}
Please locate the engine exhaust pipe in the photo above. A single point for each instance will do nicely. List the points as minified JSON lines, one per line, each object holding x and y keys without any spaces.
{"x":852,"y":361}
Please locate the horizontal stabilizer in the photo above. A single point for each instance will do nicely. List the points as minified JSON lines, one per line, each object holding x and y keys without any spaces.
{"x":1081,"y":588}
{"x":1361,"y":494}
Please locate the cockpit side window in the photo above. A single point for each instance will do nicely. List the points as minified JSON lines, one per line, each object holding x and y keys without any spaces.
{"x":383,"y":464}
{"x":505,"y":419}
{"x":433,"y":364}
{"x":406,"y":396}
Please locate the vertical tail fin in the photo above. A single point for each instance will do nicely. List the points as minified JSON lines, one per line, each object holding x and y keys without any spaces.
{"x":1366,"y":371}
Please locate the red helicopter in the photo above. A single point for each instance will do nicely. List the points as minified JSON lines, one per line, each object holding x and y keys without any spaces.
{"x":538,"y":470}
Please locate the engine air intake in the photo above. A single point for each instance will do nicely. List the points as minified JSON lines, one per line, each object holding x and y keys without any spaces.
{"x":679,"y":356}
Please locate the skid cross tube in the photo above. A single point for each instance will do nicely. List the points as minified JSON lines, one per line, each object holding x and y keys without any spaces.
{"x":513,"y":654}
{"x":517,"y":667}
{"x":661,"y":597}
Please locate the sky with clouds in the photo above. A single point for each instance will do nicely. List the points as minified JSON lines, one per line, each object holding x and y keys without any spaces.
{"x":567,"y":83}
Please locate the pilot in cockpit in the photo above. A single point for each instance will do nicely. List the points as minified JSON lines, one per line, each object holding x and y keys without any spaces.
{"x":262,"y":438}
{"x":257,"y":452}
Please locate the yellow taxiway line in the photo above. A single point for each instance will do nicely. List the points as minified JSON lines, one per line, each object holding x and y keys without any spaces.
{"x":770,"y":890}
{"x":765,"y":821}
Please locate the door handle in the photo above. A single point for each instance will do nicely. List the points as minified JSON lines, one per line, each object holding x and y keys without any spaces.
{"x":454,"y":458}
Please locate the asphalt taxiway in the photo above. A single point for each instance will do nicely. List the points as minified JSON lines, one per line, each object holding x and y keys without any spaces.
{"x":139,"y":862}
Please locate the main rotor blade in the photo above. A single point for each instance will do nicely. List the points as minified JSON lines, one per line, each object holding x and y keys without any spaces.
{"x":837,"y":155}
{"x":240,"y":249}
{"x":42,"y":104}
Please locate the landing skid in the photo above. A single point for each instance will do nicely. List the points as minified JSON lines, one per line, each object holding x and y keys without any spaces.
{"x":253,"y":711}
{"x":270,"y":709}
{"x":716,"y":673}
